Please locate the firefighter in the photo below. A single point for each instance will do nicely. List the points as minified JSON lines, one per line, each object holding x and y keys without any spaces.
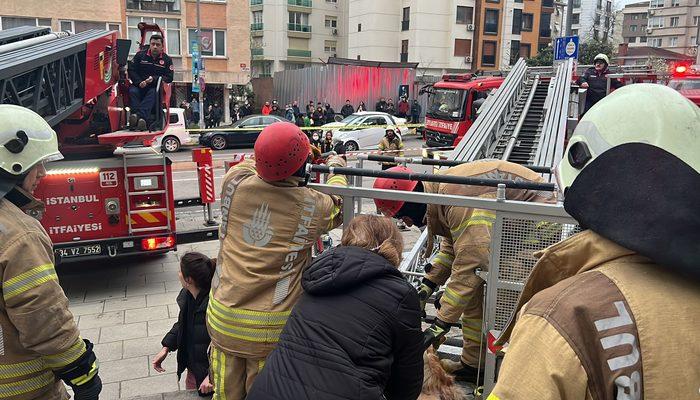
{"x":595,"y":79}
{"x":391,"y":143}
{"x":466,"y":236}
{"x":270,"y":221}
{"x":144,"y":70}
{"x":611,"y":312}
{"x":40,"y":345}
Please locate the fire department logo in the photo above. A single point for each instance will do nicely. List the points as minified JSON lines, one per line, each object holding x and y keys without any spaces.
{"x":162,"y":62}
{"x":257,"y":232}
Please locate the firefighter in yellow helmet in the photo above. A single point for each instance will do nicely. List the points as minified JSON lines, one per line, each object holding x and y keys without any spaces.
{"x":270,"y":220}
{"x":611,"y":313}
{"x":40,"y":346}
{"x":595,"y":80}
{"x":466,"y":237}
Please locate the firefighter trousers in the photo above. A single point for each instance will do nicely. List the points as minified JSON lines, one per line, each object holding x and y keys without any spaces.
{"x":473,"y":338}
{"x":232,"y":376}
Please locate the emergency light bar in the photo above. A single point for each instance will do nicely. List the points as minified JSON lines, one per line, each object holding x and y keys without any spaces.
{"x":457,"y":77}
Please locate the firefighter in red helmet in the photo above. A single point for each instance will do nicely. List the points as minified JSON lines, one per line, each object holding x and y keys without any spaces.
{"x":466,"y":237}
{"x":270,"y":219}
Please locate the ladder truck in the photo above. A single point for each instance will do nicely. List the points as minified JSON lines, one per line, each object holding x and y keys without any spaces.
{"x":113,"y":193}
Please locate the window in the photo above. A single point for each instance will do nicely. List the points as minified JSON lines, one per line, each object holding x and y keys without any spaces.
{"x":465,"y":15}
{"x":299,"y":22}
{"x":575,"y":18}
{"x":656,"y":3}
{"x":517,"y":21}
{"x":656,"y":22}
{"x":491,"y":22}
{"x":489,"y":53}
{"x":545,"y":30}
{"x":632,"y":39}
{"x":693,"y":40}
{"x":331,"y":21}
{"x":597,"y":19}
{"x":329,"y":46}
{"x":527,"y":22}
{"x":14,"y":22}
{"x":675,"y":3}
{"x":607,"y":22}
{"x":596,"y":34}
{"x":156,"y":6}
{"x":525,"y":49}
{"x":642,"y":28}
{"x":599,"y":5}
{"x":633,"y":28}
{"x":514,"y":51}
{"x":463,"y":47}
{"x":642,"y":39}
{"x":696,"y":21}
{"x":655,"y":42}
{"x":406,"y":18}
{"x":171,"y":29}
{"x":674,"y":41}
{"x":404,"y":51}
{"x":331,"y":1}
{"x":257,"y":17}
{"x":608,"y":6}
{"x":577,"y":3}
{"x":213,"y":42}
{"x":635,"y":16}
{"x":67,"y":26}
{"x":574,"y":32}
{"x":674,"y":22}
{"x":359,"y":29}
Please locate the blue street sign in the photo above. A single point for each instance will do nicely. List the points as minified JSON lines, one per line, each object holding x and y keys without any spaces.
{"x":566,"y":47}
{"x":196,"y":65}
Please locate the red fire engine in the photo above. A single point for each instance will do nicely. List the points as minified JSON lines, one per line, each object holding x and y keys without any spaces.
{"x":685,"y":78}
{"x":113,"y":194}
{"x":451,"y":107}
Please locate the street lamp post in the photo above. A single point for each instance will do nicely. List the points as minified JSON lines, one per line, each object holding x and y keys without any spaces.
{"x":200,"y":64}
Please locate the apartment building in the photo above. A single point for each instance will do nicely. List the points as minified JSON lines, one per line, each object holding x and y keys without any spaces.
{"x":591,"y":19}
{"x":634,"y":24}
{"x":293,"y":34}
{"x":75,"y":17}
{"x":674,"y":25}
{"x":225,"y":45}
{"x":447,"y":36}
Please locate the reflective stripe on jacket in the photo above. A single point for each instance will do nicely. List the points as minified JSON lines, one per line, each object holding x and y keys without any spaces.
{"x":266,"y":234}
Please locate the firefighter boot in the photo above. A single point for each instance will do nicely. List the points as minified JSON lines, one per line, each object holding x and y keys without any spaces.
{"x":141,"y":126}
{"x":462,"y":372}
{"x":133,"y":121}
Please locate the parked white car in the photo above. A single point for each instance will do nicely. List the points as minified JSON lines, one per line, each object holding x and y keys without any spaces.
{"x":363,"y":130}
{"x":175,"y":136}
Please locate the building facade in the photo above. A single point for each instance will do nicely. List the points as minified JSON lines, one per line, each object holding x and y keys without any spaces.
{"x":78,"y":16}
{"x":590,"y":20}
{"x":293,"y":34}
{"x":450,"y":35}
{"x":674,"y":25}
{"x":634,"y":24}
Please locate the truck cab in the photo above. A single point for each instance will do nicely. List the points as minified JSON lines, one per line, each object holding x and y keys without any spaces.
{"x":452,"y":106}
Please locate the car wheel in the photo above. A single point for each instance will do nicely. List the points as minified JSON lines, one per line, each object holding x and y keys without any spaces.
{"x":351,"y":146}
{"x":171,"y":144}
{"x":218,"y":142}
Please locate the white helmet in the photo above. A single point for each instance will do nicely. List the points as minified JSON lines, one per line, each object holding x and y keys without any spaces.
{"x":603,"y":57}
{"x":631,"y":173}
{"x":25,"y":140}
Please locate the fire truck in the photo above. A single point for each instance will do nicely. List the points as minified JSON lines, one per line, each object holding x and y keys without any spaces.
{"x":113,"y":193}
{"x":452,"y":106}
{"x":685,"y":79}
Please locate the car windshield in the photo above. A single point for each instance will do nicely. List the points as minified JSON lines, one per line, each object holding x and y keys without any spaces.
{"x":353,"y":119}
{"x":685,"y":84}
{"x":447,"y":103}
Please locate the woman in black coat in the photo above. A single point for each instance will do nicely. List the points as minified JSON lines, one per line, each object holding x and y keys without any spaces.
{"x":356,"y":332}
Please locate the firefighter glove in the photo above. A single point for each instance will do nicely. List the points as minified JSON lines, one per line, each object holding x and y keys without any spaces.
{"x":335,"y":161}
{"x":89,"y":391}
{"x":435,"y":334}
{"x":81,"y":375}
{"x":424,"y":291}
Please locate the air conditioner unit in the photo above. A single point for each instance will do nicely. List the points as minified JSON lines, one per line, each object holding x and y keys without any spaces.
{"x":335,"y":32}
{"x":468,"y":59}
{"x":470,"y":27}
{"x":649,"y":30}
{"x":229,"y":86}
{"x":652,"y":12}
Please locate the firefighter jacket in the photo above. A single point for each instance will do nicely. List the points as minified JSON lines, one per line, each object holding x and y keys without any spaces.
{"x":267,"y":232}
{"x":144,"y":65}
{"x":395,"y":147}
{"x":39,"y":337}
{"x":599,"y":321}
{"x":466,"y":232}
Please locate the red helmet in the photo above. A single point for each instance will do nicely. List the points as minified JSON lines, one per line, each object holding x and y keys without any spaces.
{"x":391,"y":207}
{"x":281,"y":149}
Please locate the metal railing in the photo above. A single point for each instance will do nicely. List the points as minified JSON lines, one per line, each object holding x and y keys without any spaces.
{"x":298,"y":53}
{"x":300,"y":3}
{"x":299,"y":28}
{"x":256,"y":2}
{"x":258,"y":26}
{"x":256,"y":52}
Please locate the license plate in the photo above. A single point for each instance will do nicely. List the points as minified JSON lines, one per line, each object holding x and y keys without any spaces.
{"x":79,"y":251}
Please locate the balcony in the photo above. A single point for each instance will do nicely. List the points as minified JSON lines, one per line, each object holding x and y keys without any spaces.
{"x":299,"y":28}
{"x":294,"y":53}
{"x":258,"y":26}
{"x":405,"y":25}
{"x":256,"y":2}
{"x":256,"y":52}
{"x":172,"y":6}
{"x":404,"y":57}
{"x":300,"y":3}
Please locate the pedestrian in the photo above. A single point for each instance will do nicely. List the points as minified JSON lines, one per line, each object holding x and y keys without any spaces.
{"x":194,"y":104}
{"x":356,"y":331}
{"x":415,"y":112}
{"x":209,"y":117}
{"x":236,"y":113}
{"x":381,"y":105}
{"x":245,"y":109}
{"x":392,"y":144}
{"x":404,"y":108}
{"x":319,"y":116}
{"x":347,"y":109}
{"x":276,"y":111}
{"x":307,"y":120}
{"x":289,"y":113}
{"x":390,"y":108}
{"x":595,"y":80}
{"x":144,"y":70}
{"x":295,"y":108}
{"x":605,"y":310}
{"x":330,"y":114}
{"x":316,"y":140}
{"x":266,"y":109}
{"x":327,"y":143}
{"x":217,"y":115}
{"x":187,"y":112}
{"x":189,"y":336}
{"x":361,"y":107}
{"x":464,"y":249}
{"x":310,"y":107}
{"x":42,"y":350}
{"x":259,"y":266}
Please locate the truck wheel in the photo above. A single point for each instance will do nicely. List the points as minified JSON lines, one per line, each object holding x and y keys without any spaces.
{"x":171,"y":144}
{"x":218,"y":142}
{"x":351,"y":146}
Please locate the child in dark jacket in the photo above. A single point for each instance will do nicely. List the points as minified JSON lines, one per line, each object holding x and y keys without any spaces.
{"x":189,"y":334}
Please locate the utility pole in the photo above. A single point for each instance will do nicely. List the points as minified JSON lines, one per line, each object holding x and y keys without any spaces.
{"x":201,"y":69}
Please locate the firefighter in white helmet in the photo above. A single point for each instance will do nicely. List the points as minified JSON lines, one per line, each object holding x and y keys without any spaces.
{"x":613,"y":311}
{"x":40,"y":346}
{"x":595,"y":80}
{"x":270,"y":220}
